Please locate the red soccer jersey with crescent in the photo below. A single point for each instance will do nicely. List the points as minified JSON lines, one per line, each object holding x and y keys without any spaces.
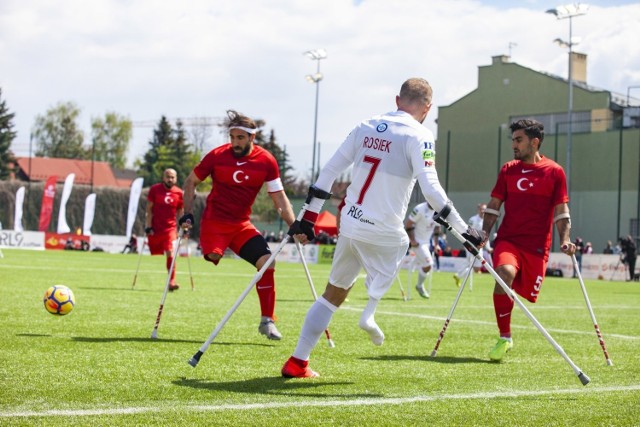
{"x":530,"y":193}
{"x":165,"y":205}
{"x":236,"y":181}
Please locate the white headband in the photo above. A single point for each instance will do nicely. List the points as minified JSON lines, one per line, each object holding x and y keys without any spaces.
{"x":247,"y":130}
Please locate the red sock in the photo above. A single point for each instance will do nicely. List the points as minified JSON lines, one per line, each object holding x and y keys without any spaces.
{"x":173,"y":273}
{"x":266,"y":288}
{"x":503,"y":305}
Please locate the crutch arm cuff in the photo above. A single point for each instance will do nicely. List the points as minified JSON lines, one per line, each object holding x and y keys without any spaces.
{"x":559,"y":216}
{"x":492,"y":212}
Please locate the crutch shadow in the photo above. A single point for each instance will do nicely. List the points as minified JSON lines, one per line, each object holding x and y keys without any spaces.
{"x":33,"y":335}
{"x":427,"y":358}
{"x":277,"y":386}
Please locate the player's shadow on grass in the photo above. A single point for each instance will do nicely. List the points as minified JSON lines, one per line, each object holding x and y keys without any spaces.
{"x":160,"y":341}
{"x":427,"y":358}
{"x":33,"y":335}
{"x":278,"y":386}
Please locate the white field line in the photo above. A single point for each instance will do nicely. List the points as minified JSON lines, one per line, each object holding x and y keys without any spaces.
{"x":482,"y":322}
{"x":171,"y":407}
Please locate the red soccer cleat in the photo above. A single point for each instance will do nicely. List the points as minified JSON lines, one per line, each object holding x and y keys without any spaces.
{"x":296,"y":368}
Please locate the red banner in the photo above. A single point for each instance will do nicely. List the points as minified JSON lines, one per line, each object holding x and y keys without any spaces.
{"x":67,"y":241}
{"x":47,"y":203}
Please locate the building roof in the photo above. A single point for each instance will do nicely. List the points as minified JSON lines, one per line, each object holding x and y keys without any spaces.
{"x":42,"y":168}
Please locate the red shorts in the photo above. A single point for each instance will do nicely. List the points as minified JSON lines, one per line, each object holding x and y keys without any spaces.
{"x":161,"y":243}
{"x":215,"y":236}
{"x":530,"y":268}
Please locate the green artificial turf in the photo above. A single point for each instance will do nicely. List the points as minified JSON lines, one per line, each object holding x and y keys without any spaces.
{"x":98,"y":365}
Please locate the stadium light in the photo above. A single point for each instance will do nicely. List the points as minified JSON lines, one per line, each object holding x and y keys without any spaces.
{"x":315,"y":55}
{"x":569,"y":12}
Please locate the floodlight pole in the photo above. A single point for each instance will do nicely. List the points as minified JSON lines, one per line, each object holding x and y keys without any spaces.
{"x":564,"y":12}
{"x":316,"y":55}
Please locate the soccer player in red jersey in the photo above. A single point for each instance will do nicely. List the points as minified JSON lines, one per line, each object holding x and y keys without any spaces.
{"x":238,"y":170}
{"x":164,"y":206}
{"x":533,"y":189}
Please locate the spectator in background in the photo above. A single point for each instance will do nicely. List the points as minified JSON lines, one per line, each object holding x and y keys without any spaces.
{"x":438,"y":243}
{"x":629,"y":254}
{"x":609,"y":248}
{"x":579,"y":251}
{"x":588,"y":248}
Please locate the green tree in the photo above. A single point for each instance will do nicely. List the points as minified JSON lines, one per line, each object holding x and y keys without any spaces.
{"x":57,"y":133}
{"x":167,"y":149}
{"x":111,"y":136}
{"x":7,"y":135}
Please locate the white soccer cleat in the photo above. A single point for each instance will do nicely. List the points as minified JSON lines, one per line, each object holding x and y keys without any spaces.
{"x":268,"y":329}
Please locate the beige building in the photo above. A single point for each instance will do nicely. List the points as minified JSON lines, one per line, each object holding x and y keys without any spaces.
{"x":474,"y":141}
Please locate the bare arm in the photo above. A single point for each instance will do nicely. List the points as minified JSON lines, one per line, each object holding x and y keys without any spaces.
{"x":190,"y":185}
{"x":281,"y":202}
{"x":490,"y":218}
{"x":410,"y":227}
{"x":563,"y":224}
{"x":149,"y":217}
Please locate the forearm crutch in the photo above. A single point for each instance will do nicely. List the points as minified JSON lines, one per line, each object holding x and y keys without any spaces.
{"x":135,"y":276}
{"x":584,"y":379}
{"x":593,"y":316}
{"x":189,"y":264}
{"x":453,"y":307}
{"x":154,"y":333}
{"x":330,"y":342}
{"x":196,"y":357}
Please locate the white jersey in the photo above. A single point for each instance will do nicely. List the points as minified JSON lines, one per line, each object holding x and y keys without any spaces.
{"x":389,"y":153}
{"x":475,"y":222}
{"x":422,"y":217}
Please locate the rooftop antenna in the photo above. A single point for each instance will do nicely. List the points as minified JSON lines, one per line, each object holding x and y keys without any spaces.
{"x":511,"y":44}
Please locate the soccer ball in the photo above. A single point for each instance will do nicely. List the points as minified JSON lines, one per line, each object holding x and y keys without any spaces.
{"x":59,"y":300}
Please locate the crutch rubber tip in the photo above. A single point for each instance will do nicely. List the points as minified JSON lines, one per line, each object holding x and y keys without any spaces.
{"x":331,"y":344}
{"x":195,"y":359}
{"x":433,"y":353}
{"x":609,"y":362}
{"x":584,"y":379}
{"x":154,"y":334}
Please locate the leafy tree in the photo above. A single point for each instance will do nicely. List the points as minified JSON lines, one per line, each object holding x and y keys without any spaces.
{"x":111,"y":136}
{"x":57,"y":133}
{"x":167,"y":149}
{"x":7,"y":135}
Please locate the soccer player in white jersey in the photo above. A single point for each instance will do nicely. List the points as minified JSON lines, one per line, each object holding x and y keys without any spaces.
{"x":420,"y":225}
{"x":475,"y":222}
{"x":388,"y":153}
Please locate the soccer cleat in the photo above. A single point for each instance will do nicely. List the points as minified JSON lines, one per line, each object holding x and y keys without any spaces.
{"x":500,"y":349}
{"x":268,"y":329}
{"x":422,"y":291}
{"x":375,"y":333}
{"x":173,"y":287}
{"x":456,"y":279}
{"x":296,"y":368}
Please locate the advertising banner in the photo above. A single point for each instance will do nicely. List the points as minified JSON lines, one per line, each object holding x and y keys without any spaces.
{"x":47,"y":203}
{"x":134,"y":199}
{"x":17,"y":219}
{"x":89,"y":213}
{"x":21,"y":240}
{"x":63,"y":227}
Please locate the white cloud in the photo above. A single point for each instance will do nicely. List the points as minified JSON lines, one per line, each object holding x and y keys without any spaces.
{"x":199,"y":58}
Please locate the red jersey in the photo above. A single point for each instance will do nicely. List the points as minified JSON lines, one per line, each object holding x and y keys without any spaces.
{"x":236,"y":181}
{"x":166,"y":203}
{"x":530,"y":193}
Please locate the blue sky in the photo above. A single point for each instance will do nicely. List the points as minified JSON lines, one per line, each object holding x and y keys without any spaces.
{"x":198,"y":58}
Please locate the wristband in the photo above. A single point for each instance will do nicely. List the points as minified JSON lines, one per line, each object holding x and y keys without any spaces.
{"x":492,"y":212}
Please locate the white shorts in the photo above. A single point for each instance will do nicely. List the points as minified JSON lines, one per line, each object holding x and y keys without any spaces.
{"x":381,"y":263}
{"x":476,"y":263}
{"x":423,"y":256}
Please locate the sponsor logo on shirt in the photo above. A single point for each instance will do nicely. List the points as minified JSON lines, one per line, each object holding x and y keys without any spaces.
{"x":381,"y":127}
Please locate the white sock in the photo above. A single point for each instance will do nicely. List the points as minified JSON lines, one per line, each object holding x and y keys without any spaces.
{"x":368,"y":324}
{"x":421,"y":276}
{"x":317,"y":320}
{"x":462,"y":273}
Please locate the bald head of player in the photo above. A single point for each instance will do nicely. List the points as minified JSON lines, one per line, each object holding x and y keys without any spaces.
{"x":415,"y":98}
{"x":169,"y":178}
{"x":242,"y":133}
